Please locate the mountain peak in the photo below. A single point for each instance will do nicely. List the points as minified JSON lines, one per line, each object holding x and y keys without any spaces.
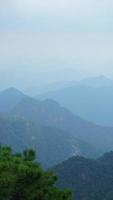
{"x":9,"y":98}
{"x":11,"y":90}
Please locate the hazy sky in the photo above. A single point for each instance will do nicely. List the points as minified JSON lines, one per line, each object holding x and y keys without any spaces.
{"x":49,"y":40}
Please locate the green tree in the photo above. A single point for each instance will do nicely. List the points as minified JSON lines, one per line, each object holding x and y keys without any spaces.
{"x":22,"y":178}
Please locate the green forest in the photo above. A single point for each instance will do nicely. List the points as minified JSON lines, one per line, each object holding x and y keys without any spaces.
{"x":22,"y":178}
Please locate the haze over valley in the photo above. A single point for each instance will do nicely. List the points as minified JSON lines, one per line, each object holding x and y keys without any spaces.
{"x":56,"y":100}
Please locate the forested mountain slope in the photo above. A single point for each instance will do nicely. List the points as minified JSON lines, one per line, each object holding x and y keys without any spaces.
{"x":89,"y":179}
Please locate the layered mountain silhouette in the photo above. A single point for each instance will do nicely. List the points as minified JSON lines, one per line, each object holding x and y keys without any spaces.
{"x":88,"y":179}
{"x":52,"y":145}
{"x":50,"y":113}
{"x":59,"y":130}
{"x":99,"y":81}
{"x":91,"y":99}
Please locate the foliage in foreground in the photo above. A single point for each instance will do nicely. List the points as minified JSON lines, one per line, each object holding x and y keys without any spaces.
{"x":21,"y":178}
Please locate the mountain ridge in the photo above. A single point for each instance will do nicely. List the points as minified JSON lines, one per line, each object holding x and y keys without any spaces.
{"x":41,"y":112}
{"x":51,"y":144}
{"x":90,"y":103}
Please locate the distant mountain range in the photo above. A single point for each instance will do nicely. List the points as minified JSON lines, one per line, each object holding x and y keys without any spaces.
{"x":39,"y":89}
{"x":59,"y":134}
{"x":91,"y":99}
{"x":88,"y":179}
{"x":100,"y":81}
{"x":59,"y":131}
{"x":50,"y":113}
{"x":52,"y":145}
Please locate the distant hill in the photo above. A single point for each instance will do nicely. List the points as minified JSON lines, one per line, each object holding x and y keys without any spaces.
{"x":39,"y":89}
{"x":100,"y":81}
{"x":50,"y":113}
{"x":91,"y":99}
{"x":9,"y":98}
{"x":96,"y":82}
{"x":52,"y":145}
{"x":89,"y":179}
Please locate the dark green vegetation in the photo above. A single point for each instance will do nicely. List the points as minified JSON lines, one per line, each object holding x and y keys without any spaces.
{"x":89,"y":179}
{"x":22,"y":178}
{"x":91,"y":99}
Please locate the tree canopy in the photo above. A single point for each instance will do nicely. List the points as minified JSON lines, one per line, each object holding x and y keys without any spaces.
{"x":22,"y":178}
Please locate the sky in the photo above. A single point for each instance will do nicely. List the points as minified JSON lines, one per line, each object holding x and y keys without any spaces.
{"x":43,"y":41}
